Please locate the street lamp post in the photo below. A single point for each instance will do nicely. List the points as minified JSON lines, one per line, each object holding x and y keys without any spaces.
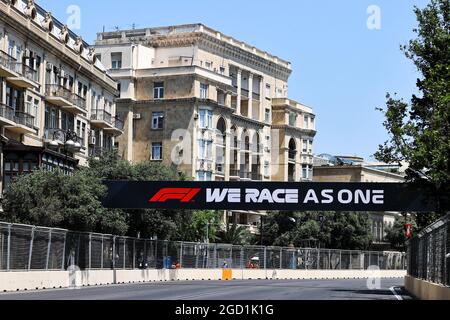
{"x":69,"y":141}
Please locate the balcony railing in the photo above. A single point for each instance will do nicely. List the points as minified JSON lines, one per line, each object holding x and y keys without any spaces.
{"x":79,"y":101}
{"x":7,"y":112}
{"x":10,"y":63}
{"x":24,"y":119}
{"x":244,"y":92}
{"x":30,"y":73}
{"x":56,"y":90}
{"x":255,"y":96}
{"x":118,"y":123}
{"x":101,"y":115}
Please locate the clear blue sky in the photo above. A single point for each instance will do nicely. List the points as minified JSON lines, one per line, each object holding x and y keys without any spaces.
{"x":340,"y":67}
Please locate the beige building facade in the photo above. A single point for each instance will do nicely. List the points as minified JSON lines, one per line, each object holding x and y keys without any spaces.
{"x":356,"y":170}
{"x":214,"y":106}
{"x":57,"y":102}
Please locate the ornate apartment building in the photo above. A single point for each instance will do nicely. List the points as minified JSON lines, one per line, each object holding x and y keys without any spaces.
{"x":214,"y":106}
{"x":57,"y":103}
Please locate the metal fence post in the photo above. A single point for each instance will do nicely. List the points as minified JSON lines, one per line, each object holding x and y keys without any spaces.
{"x":340,"y":259}
{"x":265,"y":258}
{"x":281,"y":258}
{"x":242,"y":258}
{"x":90,"y":250}
{"x":124,"y":253}
{"x":134,"y":254}
{"x":48,"y":248}
{"x":64,"y":251}
{"x":181,"y":254}
{"x":8,"y":250}
{"x":318,"y":259}
{"x":216,"y":258}
{"x":101,"y":258}
{"x":350,"y":260}
{"x":31,"y":248}
{"x":114,"y":254}
{"x":329,"y":259}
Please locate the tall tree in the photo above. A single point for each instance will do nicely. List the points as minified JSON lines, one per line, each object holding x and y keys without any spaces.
{"x":419,"y":131}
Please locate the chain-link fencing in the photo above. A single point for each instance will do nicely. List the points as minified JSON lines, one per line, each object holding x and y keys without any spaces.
{"x":428,"y":253}
{"x":24,"y":247}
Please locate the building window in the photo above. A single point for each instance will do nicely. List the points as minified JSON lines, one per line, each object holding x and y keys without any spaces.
{"x":205,"y":149}
{"x":306,"y":122}
{"x":222,"y":70}
{"x":51,"y":118}
{"x":116,"y":60}
{"x":158,"y":90}
{"x":204,"y":176}
{"x":305,"y":146}
{"x":157,"y":120}
{"x":267,"y":115}
{"x":268,"y":95}
{"x":203,"y":91}
{"x":157,"y":151}
{"x":208,"y":64}
{"x":305,"y":171}
{"x":67,"y":121}
{"x":312,"y":124}
{"x":292,"y":119}
{"x":205,"y":118}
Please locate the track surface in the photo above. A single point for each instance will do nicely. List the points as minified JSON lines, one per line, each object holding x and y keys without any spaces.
{"x":355,"y":289}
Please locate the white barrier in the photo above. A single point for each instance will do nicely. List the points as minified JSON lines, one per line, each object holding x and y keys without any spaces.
{"x":33,"y":280}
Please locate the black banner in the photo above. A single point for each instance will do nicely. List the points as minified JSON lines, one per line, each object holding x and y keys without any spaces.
{"x":300,"y":196}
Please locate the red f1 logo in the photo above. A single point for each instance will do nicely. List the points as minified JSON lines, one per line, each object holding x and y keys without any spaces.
{"x":182,"y":194}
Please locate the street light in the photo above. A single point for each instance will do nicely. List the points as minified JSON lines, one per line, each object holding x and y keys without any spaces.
{"x":69,"y":141}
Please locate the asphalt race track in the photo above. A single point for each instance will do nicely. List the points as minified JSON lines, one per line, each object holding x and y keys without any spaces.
{"x":354,"y":289}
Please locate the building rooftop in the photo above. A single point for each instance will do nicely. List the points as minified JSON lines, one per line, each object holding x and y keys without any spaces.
{"x":121,"y":36}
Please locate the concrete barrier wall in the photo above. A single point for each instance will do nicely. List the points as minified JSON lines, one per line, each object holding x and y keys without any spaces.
{"x":425,"y":290}
{"x":13,"y":281}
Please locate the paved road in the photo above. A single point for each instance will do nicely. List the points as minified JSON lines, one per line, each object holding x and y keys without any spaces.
{"x":218,"y":290}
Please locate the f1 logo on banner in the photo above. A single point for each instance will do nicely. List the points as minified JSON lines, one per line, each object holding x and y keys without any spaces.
{"x":182,"y":194}
{"x":307,"y":196}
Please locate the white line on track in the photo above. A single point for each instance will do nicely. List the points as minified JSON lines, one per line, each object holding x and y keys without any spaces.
{"x":395,"y":293}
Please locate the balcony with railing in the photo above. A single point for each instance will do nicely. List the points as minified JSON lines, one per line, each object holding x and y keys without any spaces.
{"x":7,"y":115}
{"x":65,"y":98}
{"x":116,"y":127}
{"x":9,"y":67}
{"x":101,"y":119}
{"x":17,"y":121}
{"x":24,"y":123}
{"x":24,"y":77}
{"x":30,"y":73}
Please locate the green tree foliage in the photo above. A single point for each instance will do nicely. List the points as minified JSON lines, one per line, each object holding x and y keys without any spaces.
{"x":337,"y":230}
{"x":74,"y":202}
{"x":235,"y":235}
{"x":396,"y":235}
{"x":55,"y":200}
{"x":420,"y":130}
